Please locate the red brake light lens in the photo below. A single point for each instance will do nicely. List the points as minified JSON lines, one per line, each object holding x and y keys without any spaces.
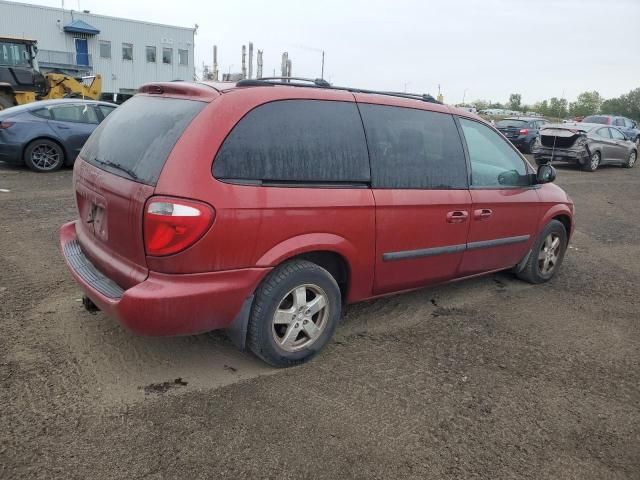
{"x":173,"y":224}
{"x":524,"y":131}
{"x":5,"y":125}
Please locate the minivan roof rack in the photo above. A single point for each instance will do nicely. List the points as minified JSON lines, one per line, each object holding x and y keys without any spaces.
{"x":322,"y":83}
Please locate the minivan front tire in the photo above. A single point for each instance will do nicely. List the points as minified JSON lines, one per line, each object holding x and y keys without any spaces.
{"x":546,"y":255}
{"x":295,"y":314}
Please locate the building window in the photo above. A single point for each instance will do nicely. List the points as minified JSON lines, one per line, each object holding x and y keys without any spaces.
{"x":105,"y":49}
{"x":183,"y":57}
{"x":151,"y":54}
{"x":127,"y":51}
{"x":167,"y":55}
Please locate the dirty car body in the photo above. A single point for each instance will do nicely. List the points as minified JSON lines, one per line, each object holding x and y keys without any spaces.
{"x":577,"y":142}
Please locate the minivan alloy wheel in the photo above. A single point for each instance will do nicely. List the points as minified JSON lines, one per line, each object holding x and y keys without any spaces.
{"x":549,"y":253}
{"x":45,"y":157}
{"x":300,"y":318}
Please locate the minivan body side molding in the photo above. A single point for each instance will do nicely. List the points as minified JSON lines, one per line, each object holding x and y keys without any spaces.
{"x":431,"y":252}
{"x":423,"y":252}
{"x":498,"y":242}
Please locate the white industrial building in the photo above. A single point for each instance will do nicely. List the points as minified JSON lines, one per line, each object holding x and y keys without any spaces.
{"x":126,"y":53}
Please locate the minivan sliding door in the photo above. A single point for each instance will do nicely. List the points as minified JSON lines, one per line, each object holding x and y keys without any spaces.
{"x":419,"y":183}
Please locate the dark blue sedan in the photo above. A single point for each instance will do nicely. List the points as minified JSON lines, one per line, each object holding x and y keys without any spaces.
{"x":521,"y":131}
{"x":49,"y":134}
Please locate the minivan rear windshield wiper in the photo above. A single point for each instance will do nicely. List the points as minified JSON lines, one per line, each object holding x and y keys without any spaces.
{"x":118,"y":166}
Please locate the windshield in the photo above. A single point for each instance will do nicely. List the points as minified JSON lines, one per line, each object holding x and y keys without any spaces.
{"x":511,"y":123}
{"x":596,"y":119}
{"x":14,"y":54}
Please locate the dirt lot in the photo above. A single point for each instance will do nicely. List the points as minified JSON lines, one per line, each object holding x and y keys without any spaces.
{"x":490,"y":378}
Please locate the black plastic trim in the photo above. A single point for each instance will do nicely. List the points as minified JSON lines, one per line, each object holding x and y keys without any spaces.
{"x":89,"y":273}
{"x":498,"y":242}
{"x":423,"y":252}
{"x":432,"y":252}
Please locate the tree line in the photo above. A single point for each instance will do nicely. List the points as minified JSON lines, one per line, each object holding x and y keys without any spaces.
{"x":587,"y":103}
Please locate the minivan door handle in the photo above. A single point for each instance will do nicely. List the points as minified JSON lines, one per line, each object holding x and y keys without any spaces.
{"x":457,"y":216}
{"x":482,"y":213}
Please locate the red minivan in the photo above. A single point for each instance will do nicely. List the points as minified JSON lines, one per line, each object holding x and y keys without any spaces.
{"x":262,"y":207}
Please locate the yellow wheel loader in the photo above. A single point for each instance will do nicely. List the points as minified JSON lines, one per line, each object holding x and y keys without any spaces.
{"x":21,"y":81}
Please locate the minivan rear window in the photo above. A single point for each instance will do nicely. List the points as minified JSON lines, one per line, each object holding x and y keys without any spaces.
{"x":135,"y":141}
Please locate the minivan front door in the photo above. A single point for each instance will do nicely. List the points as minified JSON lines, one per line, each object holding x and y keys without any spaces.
{"x":505,"y":207}
{"x":420,"y":187}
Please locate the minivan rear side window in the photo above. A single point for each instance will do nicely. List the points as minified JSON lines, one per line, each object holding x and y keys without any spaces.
{"x":413,"y":148}
{"x":296,"y":142}
{"x":136,"y":139}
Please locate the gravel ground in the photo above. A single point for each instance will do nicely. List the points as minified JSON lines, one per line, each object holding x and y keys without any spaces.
{"x":488,"y":378}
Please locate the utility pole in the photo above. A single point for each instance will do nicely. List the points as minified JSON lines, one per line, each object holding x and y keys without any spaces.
{"x":322,"y":72}
{"x":250,"y":59}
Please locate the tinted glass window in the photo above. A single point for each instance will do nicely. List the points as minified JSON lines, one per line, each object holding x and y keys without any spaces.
{"x":596,"y":119}
{"x":617,"y":134}
{"x":412,"y":148}
{"x":105,"y":49}
{"x":167,"y":55}
{"x":603,"y":132}
{"x":510,"y":123}
{"x":183,"y":57}
{"x":628,"y":123}
{"x":42,"y":112}
{"x":74,"y":113}
{"x":493,"y":162}
{"x":618,"y":122}
{"x":136,"y":139}
{"x":307,"y":141}
{"x":127,"y":51}
{"x":151,"y":54}
{"x":105,"y":110}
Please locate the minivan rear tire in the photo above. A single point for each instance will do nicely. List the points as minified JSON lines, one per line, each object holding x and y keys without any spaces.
{"x":532,"y":271}
{"x":276,"y":331}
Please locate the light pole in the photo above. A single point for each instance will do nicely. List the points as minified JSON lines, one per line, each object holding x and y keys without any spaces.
{"x":464,"y":95}
{"x":406,"y":84}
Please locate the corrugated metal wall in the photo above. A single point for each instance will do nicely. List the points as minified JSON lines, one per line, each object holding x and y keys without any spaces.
{"x":46,"y":24}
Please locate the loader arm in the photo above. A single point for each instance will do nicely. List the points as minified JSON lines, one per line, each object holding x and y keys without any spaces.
{"x":64,"y":86}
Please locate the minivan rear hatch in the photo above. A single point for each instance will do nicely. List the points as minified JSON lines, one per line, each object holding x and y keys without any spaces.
{"x":116,"y":172}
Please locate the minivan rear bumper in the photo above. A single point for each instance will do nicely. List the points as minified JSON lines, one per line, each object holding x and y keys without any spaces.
{"x":164,"y":304}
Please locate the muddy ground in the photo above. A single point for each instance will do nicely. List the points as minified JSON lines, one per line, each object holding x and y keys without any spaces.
{"x":490,"y":378}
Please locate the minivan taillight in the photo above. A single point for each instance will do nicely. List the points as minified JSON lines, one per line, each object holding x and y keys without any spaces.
{"x":524,"y":131}
{"x":173,"y":224}
{"x":4,"y":125}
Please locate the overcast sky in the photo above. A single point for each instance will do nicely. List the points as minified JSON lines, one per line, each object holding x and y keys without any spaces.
{"x":490,"y":48}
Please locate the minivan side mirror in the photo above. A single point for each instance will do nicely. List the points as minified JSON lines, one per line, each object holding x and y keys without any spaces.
{"x":546,"y":174}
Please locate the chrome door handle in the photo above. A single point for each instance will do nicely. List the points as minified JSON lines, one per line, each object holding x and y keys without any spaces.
{"x":482,"y":213}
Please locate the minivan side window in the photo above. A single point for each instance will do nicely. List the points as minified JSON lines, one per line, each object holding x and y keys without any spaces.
{"x":414,"y":149}
{"x":493,"y":162}
{"x":296,"y":142}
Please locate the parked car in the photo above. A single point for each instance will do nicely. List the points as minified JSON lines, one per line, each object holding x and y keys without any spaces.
{"x":46,"y":135}
{"x":588,"y":145}
{"x":625,"y":125}
{"x":521,"y":131}
{"x":262,"y":208}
